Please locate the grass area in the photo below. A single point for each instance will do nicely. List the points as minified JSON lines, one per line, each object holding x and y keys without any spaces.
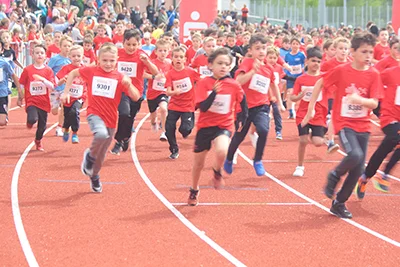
{"x":14,"y":92}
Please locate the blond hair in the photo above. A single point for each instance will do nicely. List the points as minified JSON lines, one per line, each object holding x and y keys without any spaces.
{"x":101,"y":26}
{"x":161,"y":42}
{"x":66,"y":38}
{"x":340,"y":40}
{"x":76,"y":47}
{"x":208,"y":39}
{"x":273,"y":50}
{"x":108,"y":48}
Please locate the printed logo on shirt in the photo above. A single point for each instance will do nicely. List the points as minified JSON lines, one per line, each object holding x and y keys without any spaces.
{"x":159,"y":84}
{"x":353,"y":89}
{"x":221,"y":104}
{"x":37,"y":88}
{"x":76,"y":90}
{"x":205,"y":71}
{"x":308,"y":90}
{"x":104,"y":87}
{"x":260,"y":83}
{"x":183,"y":85}
{"x":397,"y":99}
{"x":352,"y":110}
{"x":127,"y":68}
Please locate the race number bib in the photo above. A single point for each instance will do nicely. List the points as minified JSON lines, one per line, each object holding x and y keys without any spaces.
{"x":86,"y":61}
{"x":260,"y":83}
{"x":184,"y":85}
{"x":221,"y":104}
{"x":352,"y":110}
{"x":296,"y":69}
{"x":397,"y":99}
{"x":104,"y":87}
{"x":204,"y":71}
{"x":159,"y":84}
{"x":37,"y":88}
{"x":277,"y":78}
{"x":127,"y":68}
{"x":76,"y":90}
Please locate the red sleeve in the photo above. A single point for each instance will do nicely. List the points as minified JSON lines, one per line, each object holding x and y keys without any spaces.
{"x":50,"y":76}
{"x":280,"y":61}
{"x":297,"y":86}
{"x":246,"y":66}
{"x":385,"y":78}
{"x":195,"y":63}
{"x":62,"y":73}
{"x":201,"y":91}
{"x":376,"y":90}
{"x":84,"y":72}
{"x":325,"y":67}
{"x":332,"y":77}
{"x":195,"y":76}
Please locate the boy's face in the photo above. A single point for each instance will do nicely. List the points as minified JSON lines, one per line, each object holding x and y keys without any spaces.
{"x":87,"y":46}
{"x":384,"y":36}
{"x":57,"y":38}
{"x":220,"y":66}
{"x":258,"y":51}
{"x":178,"y":59}
{"x":76,"y":56}
{"x":246,"y":39}
{"x":286,"y":46}
{"x":313,"y":64}
{"x":120,"y":28}
{"x":5,"y":37}
{"x":101,"y":32}
{"x":296,"y":45}
{"x":331,"y":51}
{"x":39,"y":55}
{"x":168,"y":39}
{"x":196,"y":42}
{"x":107,"y":61}
{"x":221,"y":41}
{"x":65,"y":46}
{"x":363,"y":55}
{"x":230,"y":41}
{"x":131,"y":45}
{"x":395,"y":50}
{"x":209,"y":47}
{"x":162,"y":52}
{"x":342,"y":51}
{"x":272,"y":58}
{"x":49,"y":41}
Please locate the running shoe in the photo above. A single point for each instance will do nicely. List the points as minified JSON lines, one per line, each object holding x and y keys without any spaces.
{"x":361,"y":187}
{"x":381,"y":182}
{"x":116,"y":149}
{"x":163,"y":137}
{"x":218,"y":180}
{"x":332,"y":147}
{"x":66,"y":136}
{"x":125,"y":145}
{"x":87,"y":163}
{"x":340,"y":210}
{"x":259,"y":168}
{"x":59,"y":132}
{"x":75,"y":138}
{"x":39,"y":146}
{"x":95,"y":184}
{"x":193,"y":197}
{"x":174,"y":155}
{"x":228,"y":166}
{"x":279,"y":136}
{"x":299,"y":171}
{"x":332,"y":182}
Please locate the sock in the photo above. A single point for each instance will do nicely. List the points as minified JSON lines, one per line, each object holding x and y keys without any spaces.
{"x":331,"y":142}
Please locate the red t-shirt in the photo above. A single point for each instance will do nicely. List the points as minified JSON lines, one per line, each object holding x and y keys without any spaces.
{"x":33,"y":36}
{"x":36,"y":92}
{"x":99,"y":41}
{"x":279,"y":74}
{"x":104,"y":90}
{"x":157,"y":87}
{"x":381,"y":51}
{"x":131,"y":66}
{"x":188,"y":43}
{"x":88,"y":56}
{"x":390,"y":105}
{"x":221,"y":111}
{"x":306,"y":83}
{"x":348,"y":80}
{"x":257,"y":87}
{"x":190,"y":53}
{"x":182,"y":80}
{"x":52,"y":51}
{"x":327,"y":67}
{"x":78,"y":89}
{"x":278,"y":43}
{"x":118,"y":40}
{"x":386,"y":63}
{"x":200,"y":64}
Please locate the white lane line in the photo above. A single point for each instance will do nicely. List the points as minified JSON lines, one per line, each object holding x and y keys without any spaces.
{"x":17,"y":107}
{"x":297,"y":193}
{"x":374,"y":122}
{"x":19,"y":226}
{"x":248,"y":204}
{"x":168,"y":204}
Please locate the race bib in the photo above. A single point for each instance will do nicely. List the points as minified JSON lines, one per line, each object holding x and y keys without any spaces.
{"x":397,"y":99}
{"x":119,"y":45}
{"x":352,"y":110}
{"x":296,"y":69}
{"x":76,"y":90}
{"x":127,"y":68}
{"x":184,"y":85}
{"x":221,"y":104}
{"x":260,"y":83}
{"x":104,"y":87}
{"x":204,"y":71}
{"x":277,"y":78}
{"x":37,"y":88}
{"x":159,"y":84}
{"x":86,"y":60}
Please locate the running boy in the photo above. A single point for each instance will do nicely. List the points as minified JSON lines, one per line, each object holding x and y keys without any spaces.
{"x":200,"y":63}
{"x":37,"y":80}
{"x":216,"y":96}
{"x":358,"y":88}
{"x":105,"y":87}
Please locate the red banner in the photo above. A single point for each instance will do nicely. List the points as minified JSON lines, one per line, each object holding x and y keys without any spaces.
{"x":196,"y":15}
{"x":396,"y":16}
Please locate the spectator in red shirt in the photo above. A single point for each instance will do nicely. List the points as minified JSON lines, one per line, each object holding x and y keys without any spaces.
{"x":245,"y":13}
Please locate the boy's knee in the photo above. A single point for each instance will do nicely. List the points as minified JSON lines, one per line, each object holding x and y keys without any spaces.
{"x":356,"y":156}
{"x":101,"y":135}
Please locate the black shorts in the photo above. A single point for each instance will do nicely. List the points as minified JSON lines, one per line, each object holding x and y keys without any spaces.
{"x":315,"y":130}
{"x":205,"y":136}
{"x":153,"y":103}
{"x":4,"y":105}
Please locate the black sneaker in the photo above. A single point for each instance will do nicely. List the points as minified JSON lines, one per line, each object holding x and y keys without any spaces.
{"x":125,"y":145}
{"x":340,"y":210}
{"x":95,"y":184}
{"x":87,"y":163}
{"x":331,"y":184}
{"x":174,"y":155}
{"x":117,"y":148}
{"x":193,"y":197}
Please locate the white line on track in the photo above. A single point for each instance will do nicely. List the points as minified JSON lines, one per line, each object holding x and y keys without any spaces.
{"x":297,"y":193}
{"x":249,"y":204}
{"x":17,"y":107}
{"x":168,"y":204}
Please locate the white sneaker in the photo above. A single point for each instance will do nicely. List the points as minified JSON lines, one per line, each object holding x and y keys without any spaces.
{"x":163,"y":137}
{"x":253,"y":138}
{"x":59,"y":131}
{"x":235,"y":157}
{"x":299,"y":172}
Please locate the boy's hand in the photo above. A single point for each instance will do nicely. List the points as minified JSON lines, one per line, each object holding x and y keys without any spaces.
{"x":65,"y":98}
{"x":159,"y":76}
{"x":355,"y":99}
{"x":37,"y":77}
{"x":256,"y":65}
{"x":272,"y":99}
{"x":144,"y":58}
{"x":307,"y":118}
{"x":19,"y":102}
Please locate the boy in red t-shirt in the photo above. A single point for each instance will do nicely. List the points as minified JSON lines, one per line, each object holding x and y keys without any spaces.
{"x":392,"y":60}
{"x":105,"y":88}
{"x":216,"y":96}
{"x":382,"y":49}
{"x":77,"y":94}
{"x":390,"y":118}
{"x":191,"y":52}
{"x":200,"y":63}
{"x":54,"y":49}
{"x":256,"y":78}
{"x":101,"y":37}
{"x":37,"y":80}
{"x":157,"y":98}
{"x":89,"y":57}
{"x":302,"y":91}
{"x":358,"y":88}
{"x":180,"y":87}
{"x":118,"y":35}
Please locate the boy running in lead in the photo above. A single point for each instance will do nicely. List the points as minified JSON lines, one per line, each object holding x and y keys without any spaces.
{"x":105,"y":87}
{"x":358,"y":88}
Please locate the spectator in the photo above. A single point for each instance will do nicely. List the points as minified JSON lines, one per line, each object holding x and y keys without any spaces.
{"x":245,"y":13}
{"x":233,"y":9}
{"x":162,"y":16}
{"x":136,"y":17}
{"x":150,"y":12}
{"x":3,"y":9}
{"x":175,"y":28}
{"x":159,"y":31}
{"x":171,"y":17}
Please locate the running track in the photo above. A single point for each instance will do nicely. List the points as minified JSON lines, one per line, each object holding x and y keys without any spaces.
{"x":269,"y":221}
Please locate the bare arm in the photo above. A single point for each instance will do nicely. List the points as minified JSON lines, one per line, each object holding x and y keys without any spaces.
{"x":133,"y":92}
{"x":243,"y":78}
{"x":276,"y":92}
{"x":71,"y":76}
{"x":316,"y":91}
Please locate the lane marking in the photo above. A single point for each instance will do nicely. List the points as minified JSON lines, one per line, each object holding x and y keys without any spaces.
{"x":17,"y":107}
{"x":227,"y":188}
{"x":248,"y":204}
{"x":75,"y":181}
{"x":168,"y":204}
{"x":19,"y":226}
{"x":297,"y":193}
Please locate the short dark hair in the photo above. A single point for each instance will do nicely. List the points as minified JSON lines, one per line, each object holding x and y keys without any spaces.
{"x":257,"y":38}
{"x":314,"y":52}
{"x":210,"y":31}
{"x":327,"y":44}
{"x":40,"y":46}
{"x":132,"y":33}
{"x":219,"y":52}
{"x":168,"y":34}
{"x":394,"y":40}
{"x":363,"y":38}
